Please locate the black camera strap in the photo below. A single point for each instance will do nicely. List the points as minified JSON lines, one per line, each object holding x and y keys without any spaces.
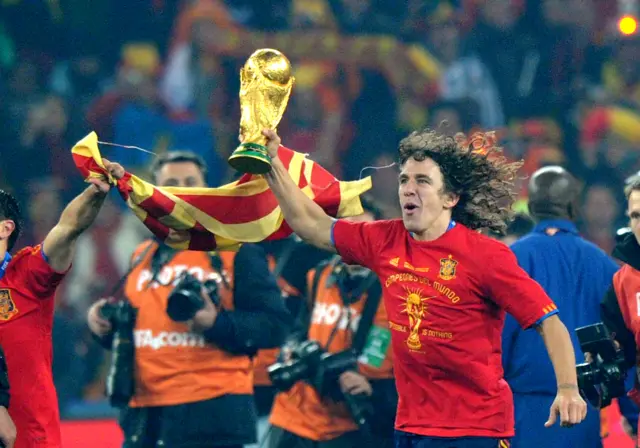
{"x":134,"y":264}
{"x":306,"y":312}
{"x":370,"y":285}
{"x":218,"y":265}
{"x":284,"y":257}
{"x":374,"y":293}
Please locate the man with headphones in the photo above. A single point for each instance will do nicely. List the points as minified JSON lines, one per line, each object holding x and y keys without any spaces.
{"x":194,"y":379}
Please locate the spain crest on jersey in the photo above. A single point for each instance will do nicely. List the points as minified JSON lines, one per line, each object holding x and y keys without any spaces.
{"x":7,"y":305}
{"x":448,"y":268}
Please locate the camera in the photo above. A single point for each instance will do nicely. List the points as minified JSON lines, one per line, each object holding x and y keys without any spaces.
{"x":186,"y":300}
{"x":311,"y":363}
{"x":120,"y":382}
{"x":602,"y":379}
{"x":305,"y":358}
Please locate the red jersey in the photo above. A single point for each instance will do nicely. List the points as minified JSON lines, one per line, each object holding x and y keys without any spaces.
{"x":446,"y":301}
{"x":26,"y":318}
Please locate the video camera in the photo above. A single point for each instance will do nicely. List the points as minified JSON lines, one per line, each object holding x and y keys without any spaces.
{"x":602,"y":379}
{"x":186,"y":299}
{"x":120,"y":379}
{"x":311,"y":363}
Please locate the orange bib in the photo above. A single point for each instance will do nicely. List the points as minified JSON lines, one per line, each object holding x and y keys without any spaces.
{"x":173,"y":365}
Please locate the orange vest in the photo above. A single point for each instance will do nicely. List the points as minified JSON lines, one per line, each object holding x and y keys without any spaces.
{"x":626,"y":283}
{"x":264,"y":358}
{"x":300,"y":410}
{"x":172,"y":365}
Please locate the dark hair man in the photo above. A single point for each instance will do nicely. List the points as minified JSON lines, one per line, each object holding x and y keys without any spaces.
{"x":576,"y":274}
{"x":28,"y":283}
{"x":193,"y":380}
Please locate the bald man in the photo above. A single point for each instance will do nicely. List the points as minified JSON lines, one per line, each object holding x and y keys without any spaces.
{"x":576,"y":275}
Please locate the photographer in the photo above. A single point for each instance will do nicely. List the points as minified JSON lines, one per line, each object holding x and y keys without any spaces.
{"x":326,"y":385}
{"x":194,"y":336}
{"x":621,"y":306}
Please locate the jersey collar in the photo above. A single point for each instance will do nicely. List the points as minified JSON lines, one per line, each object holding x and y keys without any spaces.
{"x":563,"y":225}
{"x":4,"y":264}
{"x":451,"y":225}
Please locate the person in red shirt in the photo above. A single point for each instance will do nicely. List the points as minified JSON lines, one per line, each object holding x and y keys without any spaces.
{"x":7,"y":427}
{"x":28,"y":283}
{"x":446,"y":288}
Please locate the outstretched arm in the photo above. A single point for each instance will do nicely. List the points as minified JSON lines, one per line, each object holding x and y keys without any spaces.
{"x":59,"y":245}
{"x":305,"y":217}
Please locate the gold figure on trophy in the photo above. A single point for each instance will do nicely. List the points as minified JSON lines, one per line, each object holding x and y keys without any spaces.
{"x":265,"y":86}
{"x":416,"y":309}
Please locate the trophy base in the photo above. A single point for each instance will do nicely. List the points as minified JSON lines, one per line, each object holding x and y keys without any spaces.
{"x":250,"y":158}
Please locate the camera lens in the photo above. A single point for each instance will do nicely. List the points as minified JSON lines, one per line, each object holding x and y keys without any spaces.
{"x":185,"y":299}
{"x":284,"y":376}
{"x":587,"y":375}
{"x":108,"y":311}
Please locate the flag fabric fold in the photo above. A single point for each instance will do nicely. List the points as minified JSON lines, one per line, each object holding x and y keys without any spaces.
{"x":222,"y":218}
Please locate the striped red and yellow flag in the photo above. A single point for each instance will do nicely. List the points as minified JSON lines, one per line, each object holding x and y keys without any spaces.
{"x":243,"y":211}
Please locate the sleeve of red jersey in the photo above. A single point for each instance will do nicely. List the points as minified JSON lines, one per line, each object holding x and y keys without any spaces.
{"x":511,"y":288}
{"x":357,"y":242}
{"x":40,"y":277}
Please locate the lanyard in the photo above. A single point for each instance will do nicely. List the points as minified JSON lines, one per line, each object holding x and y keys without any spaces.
{"x":5,"y":263}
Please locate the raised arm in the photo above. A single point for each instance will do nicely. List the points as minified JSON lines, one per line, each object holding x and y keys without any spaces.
{"x":59,"y":245}
{"x":306,"y":218}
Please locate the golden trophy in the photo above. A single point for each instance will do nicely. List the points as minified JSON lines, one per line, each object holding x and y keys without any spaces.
{"x":265,"y":86}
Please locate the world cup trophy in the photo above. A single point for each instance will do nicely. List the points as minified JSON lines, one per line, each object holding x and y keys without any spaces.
{"x":265,"y":87}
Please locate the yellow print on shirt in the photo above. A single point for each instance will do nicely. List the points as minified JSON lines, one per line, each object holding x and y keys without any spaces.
{"x":406,"y":277}
{"x":416,"y":308}
{"x":448,"y":268}
{"x":8,"y":307}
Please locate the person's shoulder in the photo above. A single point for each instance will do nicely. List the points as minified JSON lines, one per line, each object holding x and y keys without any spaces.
{"x":387,"y":226}
{"x":379,"y":224}
{"x":528,"y":243}
{"x":142,"y":248}
{"x":27,"y":260}
{"x":245,"y":251}
{"x":593,"y":248}
{"x":388,"y":231}
{"x":625,"y":272}
{"x":28,"y":252}
{"x":482,"y":242}
{"x":381,"y":227}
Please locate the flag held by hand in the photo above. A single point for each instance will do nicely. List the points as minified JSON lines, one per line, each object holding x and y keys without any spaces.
{"x":222,"y":218}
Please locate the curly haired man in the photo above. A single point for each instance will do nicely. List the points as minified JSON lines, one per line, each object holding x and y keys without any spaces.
{"x":448,"y":359}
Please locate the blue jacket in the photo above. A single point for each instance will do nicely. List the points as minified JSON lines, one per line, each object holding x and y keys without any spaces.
{"x":576,"y":274}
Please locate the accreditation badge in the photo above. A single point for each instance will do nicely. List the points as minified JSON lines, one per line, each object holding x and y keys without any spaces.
{"x":375,"y":349}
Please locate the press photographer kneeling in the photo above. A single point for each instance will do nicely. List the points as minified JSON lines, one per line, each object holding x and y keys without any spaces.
{"x":335,"y":374}
{"x":183,"y":336}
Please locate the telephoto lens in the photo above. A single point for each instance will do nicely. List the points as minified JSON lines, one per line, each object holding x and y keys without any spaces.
{"x":186,"y":299}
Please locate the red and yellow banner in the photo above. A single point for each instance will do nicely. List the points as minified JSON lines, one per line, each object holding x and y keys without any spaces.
{"x":243,"y":211}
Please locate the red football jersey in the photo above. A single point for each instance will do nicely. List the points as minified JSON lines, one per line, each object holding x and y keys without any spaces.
{"x":26,"y":318}
{"x":446,"y":301}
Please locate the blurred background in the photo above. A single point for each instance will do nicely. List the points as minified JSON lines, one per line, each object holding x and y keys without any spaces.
{"x":558,"y":79}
